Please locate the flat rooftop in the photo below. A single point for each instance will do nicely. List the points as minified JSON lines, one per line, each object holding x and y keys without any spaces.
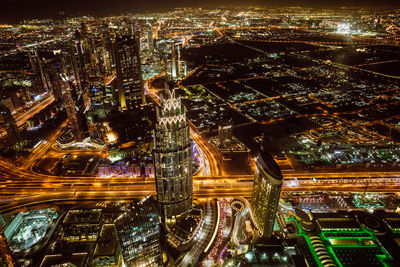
{"x":77,"y":259}
{"x":83,"y":216}
{"x":107,"y":243}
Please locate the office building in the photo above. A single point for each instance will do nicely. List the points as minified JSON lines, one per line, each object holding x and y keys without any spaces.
{"x":138,"y":232}
{"x":174,"y":61}
{"x":6,"y":256}
{"x":76,"y":119}
{"x":54,"y":79}
{"x":78,"y":61}
{"x":155,"y":32}
{"x":41,"y":81}
{"x":266,"y":192}
{"x":173,"y":159}
{"x":150,"y":40}
{"x":129,"y":71}
{"x":10,"y":125}
{"x":88,"y":47}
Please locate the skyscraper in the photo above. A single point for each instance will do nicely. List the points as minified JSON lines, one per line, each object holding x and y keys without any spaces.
{"x":55,"y":80}
{"x":129,"y":71}
{"x":174,"y":61}
{"x":266,"y":192}
{"x":78,"y":62}
{"x":150,"y":40}
{"x":173,"y":159}
{"x":41,"y":80}
{"x":138,"y":231}
{"x":10,"y":125}
{"x":88,"y":47}
{"x":75,"y":119}
{"x":6,"y":255}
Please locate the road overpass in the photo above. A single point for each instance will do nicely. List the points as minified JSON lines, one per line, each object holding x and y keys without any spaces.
{"x":16,"y":194}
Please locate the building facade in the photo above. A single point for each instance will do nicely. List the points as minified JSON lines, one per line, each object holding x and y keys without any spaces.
{"x":138,"y":232}
{"x":173,"y":159}
{"x":129,"y":71}
{"x":266,"y":192}
{"x":7,"y":258}
{"x":41,"y":79}
{"x":10,"y":125}
{"x":76,"y":119}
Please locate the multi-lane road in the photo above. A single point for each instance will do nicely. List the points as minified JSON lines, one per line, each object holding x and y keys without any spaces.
{"x":20,"y":186}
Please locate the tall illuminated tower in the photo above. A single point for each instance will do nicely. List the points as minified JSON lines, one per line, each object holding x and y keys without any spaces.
{"x":174,"y":61}
{"x":74,"y":117}
{"x":173,"y":159}
{"x":266,"y":192}
{"x":150,"y":40}
{"x":37,"y":67}
{"x":79,"y":65}
{"x":129,"y":71}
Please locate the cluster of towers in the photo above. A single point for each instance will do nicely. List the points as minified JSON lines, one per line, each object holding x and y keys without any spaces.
{"x":75,"y":71}
{"x":103,"y":66}
{"x":174,"y":185}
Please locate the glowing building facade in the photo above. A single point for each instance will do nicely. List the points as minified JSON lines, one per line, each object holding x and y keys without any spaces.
{"x":175,"y":59}
{"x":173,"y":159}
{"x":129,"y":71}
{"x":266,"y":192}
{"x":138,"y":231}
{"x":76,"y":119}
{"x":41,"y":79}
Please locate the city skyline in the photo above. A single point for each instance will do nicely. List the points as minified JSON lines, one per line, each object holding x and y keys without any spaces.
{"x":223,"y":136}
{"x":25,"y":10}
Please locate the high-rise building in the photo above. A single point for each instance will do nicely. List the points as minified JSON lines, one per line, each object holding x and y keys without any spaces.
{"x":79,"y":62}
{"x":88,"y":47}
{"x":10,"y":125}
{"x":55,"y":82}
{"x":155,"y":32}
{"x":6,"y":256}
{"x":174,"y":61}
{"x":41,"y":81}
{"x":150,"y":40}
{"x":266,"y":192}
{"x":138,"y":231}
{"x":173,"y":159}
{"x":176,"y":64}
{"x":74,"y":116}
{"x":129,"y":71}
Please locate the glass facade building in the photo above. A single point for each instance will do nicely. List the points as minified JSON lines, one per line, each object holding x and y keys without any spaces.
{"x":138,"y":232}
{"x":129,"y":71}
{"x":173,"y":159}
{"x":266,"y":192}
{"x":10,"y":125}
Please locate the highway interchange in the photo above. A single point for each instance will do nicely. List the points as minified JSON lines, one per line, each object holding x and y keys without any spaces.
{"x":21,"y":186}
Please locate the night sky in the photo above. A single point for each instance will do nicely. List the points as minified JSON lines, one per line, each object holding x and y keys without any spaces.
{"x":13,"y":11}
